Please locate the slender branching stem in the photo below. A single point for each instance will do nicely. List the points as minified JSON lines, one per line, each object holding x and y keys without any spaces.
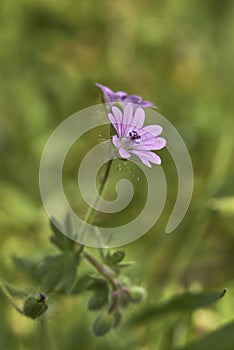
{"x":9,"y":297}
{"x":101,"y":269}
{"x":91,"y":212}
{"x":89,"y":217}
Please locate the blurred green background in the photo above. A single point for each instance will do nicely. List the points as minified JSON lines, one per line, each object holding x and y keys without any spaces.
{"x":178,"y":54}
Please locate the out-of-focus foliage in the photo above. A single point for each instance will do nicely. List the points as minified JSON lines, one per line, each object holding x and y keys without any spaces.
{"x":178,"y":54}
{"x":220,"y":339}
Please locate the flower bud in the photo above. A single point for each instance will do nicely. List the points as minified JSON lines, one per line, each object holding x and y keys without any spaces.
{"x":34,"y":307}
{"x":124,"y":299}
{"x":137,"y":294}
{"x":102,"y":324}
{"x":98,"y":300}
{"x":117,"y":318}
{"x":122,"y":295}
{"x":117,"y":256}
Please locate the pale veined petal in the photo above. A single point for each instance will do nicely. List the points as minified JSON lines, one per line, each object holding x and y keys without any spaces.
{"x":118,"y":115}
{"x":124,"y":154}
{"x":139,"y":118}
{"x":154,"y":130}
{"x":116,"y":141}
{"x":146,"y":155}
{"x":127,"y":119}
{"x":151,"y":144}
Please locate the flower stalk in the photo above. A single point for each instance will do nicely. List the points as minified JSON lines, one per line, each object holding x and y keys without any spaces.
{"x":9,"y":297}
{"x":103,"y":270}
{"x":90,"y":214}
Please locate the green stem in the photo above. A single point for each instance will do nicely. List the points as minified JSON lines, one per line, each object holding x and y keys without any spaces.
{"x":9,"y":297}
{"x":46,"y":338}
{"x":115,"y":284}
{"x":91,"y":212}
{"x":102,"y":269}
{"x":90,"y":215}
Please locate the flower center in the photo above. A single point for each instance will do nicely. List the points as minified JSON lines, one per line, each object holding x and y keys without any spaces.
{"x":134,"y":135}
{"x":128,"y":142}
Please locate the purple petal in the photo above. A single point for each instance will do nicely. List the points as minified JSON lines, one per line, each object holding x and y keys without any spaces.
{"x":108,"y":94}
{"x":147,"y":155}
{"x":161,"y":142}
{"x":151,"y":144}
{"x":118,"y":115}
{"x":143,"y":158}
{"x":139,"y":118}
{"x":110,"y":97}
{"x":146,"y":104}
{"x":138,"y":101}
{"x":145,"y":161}
{"x":123,"y":153}
{"x":154,"y":158}
{"x":133,"y":99}
{"x":121,"y":94}
{"x":114,"y":122}
{"x":116,"y":141}
{"x":154,"y":130}
{"x":127,"y":119}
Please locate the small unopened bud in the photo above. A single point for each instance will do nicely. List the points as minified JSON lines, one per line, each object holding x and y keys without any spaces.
{"x":117,"y":318}
{"x":35,"y":307}
{"x":97,"y":301}
{"x":117,"y":256}
{"x":103,"y":324}
{"x":122,"y":295}
{"x":137,"y":294}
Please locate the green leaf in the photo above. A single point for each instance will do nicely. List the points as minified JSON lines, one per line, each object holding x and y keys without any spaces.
{"x":82,"y":284}
{"x":58,"y":272}
{"x":185,"y":302}
{"x":28,"y":266}
{"x":61,"y":241}
{"x":88,"y":282}
{"x":114,"y":258}
{"x":98,"y":285}
{"x":127,"y":264}
{"x":15,"y":291}
{"x":221,"y":339}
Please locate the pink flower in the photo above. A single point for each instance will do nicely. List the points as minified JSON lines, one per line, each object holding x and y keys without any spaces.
{"x":134,"y":140}
{"x":111,"y":97}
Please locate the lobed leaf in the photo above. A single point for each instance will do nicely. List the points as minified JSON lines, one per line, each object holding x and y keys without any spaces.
{"x":56,"y":273}
{"x":58,"y":238}
{"x":88,"y":282}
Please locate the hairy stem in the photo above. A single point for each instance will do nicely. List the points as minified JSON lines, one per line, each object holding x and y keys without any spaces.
{"x":9,"y":297}
{"x":45,"y":335}
{"x":91,"y":212}
{"x":100,"y":268}
{"x":89,"y":217}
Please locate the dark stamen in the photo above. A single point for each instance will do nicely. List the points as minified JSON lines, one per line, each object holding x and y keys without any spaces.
{"x":134,"y":135}
{"x":42,"y":297}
